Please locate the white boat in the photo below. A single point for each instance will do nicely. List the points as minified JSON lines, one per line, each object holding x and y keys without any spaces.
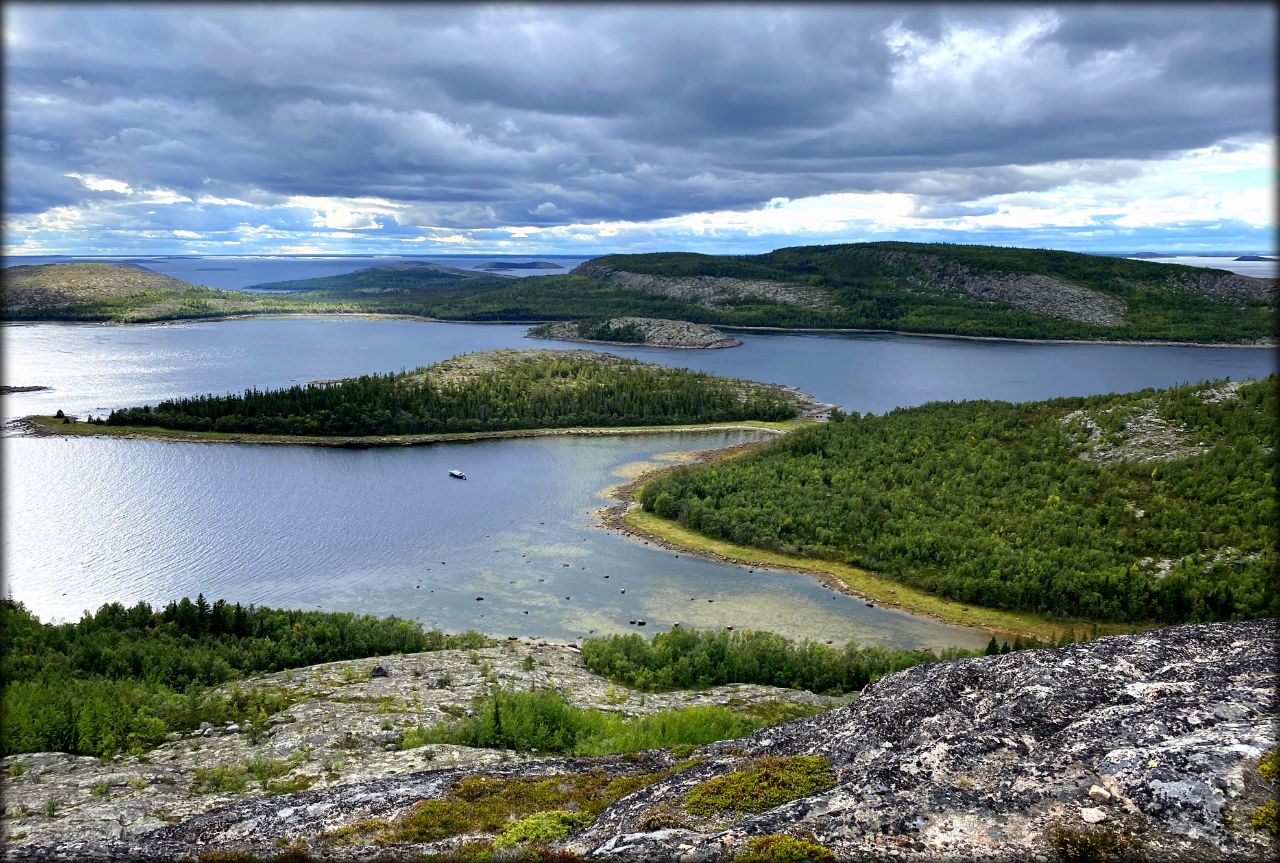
{"x":457,"y":474}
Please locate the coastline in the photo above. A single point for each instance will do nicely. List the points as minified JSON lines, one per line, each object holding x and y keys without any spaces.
{"x":623,"y":515}
{"x":1270,"y":344}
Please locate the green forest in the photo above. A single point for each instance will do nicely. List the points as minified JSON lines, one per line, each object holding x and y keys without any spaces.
{"x":990,"y":503}
{"x":121,"y":679}
{"x":542,"y":389}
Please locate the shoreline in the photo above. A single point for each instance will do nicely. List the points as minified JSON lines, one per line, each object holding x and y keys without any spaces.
{"x":620,"y":516}
{"x":235,"y":316}
{"x":43,"y":426}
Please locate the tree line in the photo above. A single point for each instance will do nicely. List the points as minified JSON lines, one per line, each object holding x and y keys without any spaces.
{"x":122,"y":678}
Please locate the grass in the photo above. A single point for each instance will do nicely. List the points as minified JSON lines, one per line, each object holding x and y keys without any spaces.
{"x":52,"y":425}
{"x":769,"y":782}
{"x":877,"y":588}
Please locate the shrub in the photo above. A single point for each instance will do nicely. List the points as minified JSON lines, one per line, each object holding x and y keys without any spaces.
{"x":771,"y":781}
{"x":542,"y":720}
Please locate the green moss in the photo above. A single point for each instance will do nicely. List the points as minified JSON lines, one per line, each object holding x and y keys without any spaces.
{"x":542,"y":828}
{"x":1266,"y":817}
{"x":483,"y":804}
{"x":784,"y":849}
{"x":1269,"y":765}
{"x":769,"y":782}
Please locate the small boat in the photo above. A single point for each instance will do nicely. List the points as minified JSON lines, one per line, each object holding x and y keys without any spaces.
{"x":457,"y":474}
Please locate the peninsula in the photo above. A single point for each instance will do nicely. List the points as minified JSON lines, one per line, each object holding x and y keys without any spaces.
{"x":491,"y":393}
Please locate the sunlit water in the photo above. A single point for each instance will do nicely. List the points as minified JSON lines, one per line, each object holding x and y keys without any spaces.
{"x":386,"y":531}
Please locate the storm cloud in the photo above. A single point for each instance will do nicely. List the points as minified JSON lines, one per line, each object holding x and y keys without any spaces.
{"x":399,"y":120}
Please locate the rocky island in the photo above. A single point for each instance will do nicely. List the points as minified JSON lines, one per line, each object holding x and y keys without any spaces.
{"x":650,"y":332}
{"x":1158,"y":746}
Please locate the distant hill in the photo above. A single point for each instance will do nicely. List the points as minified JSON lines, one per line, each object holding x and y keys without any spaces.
{"x":403,"y":278}
{"x":975,"y":290}
{"x":938,"y":289}
{"x":102,"y":291}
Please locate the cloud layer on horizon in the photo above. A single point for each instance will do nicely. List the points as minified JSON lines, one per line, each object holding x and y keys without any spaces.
{"x":422,"y":128}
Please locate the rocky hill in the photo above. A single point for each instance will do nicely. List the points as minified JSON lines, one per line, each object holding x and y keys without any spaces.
{"x":651,"y":332}
{"x":1138,"y":747}
{"x":46,"y":285}
{"x":1035,"y":293}
{"x":101,"y":291}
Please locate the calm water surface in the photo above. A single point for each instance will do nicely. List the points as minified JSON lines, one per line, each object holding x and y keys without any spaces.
{"x":386,"y":531}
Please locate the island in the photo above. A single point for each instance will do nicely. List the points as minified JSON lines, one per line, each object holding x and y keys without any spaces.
{"x":522,"y":265}
{"x":921,"y":288}
{"x":502,"y":393}
{"x":6,"y":390}
{"x":650,"y":332}
{"x":1255,"y":258}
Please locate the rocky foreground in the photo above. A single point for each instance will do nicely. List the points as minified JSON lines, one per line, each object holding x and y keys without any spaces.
{"x":1128,"y":747}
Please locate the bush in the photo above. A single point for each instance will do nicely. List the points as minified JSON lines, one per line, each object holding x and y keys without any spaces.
{"x":541,"y":720}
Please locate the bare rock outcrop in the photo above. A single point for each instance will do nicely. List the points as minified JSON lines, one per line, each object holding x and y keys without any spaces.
{"x":1144,"y":745}
{"x":710,"y":292}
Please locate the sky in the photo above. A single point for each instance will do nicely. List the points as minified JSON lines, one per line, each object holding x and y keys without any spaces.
{"x":587,"y":129}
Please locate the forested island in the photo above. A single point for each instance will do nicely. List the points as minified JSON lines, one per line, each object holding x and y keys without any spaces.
{"x":487,"y":391}
{"x":1150,"y":506}
{"x":908,"y":287}
{"x":651,"y":332}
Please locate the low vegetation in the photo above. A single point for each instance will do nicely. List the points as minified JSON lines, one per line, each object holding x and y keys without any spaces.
{"x":770,"y":781}
{"x":690,"y":658}
{"x":784,"y":849}
{"x":122,"y":679}
{"x":1150,"y":506}
{"x":542,"y":721}
{"x":518,"y":390}
{"x":524,"y":811}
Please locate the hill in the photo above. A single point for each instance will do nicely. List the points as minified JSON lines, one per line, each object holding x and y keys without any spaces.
{"x":112,"y":292}
{"x":651,"y":332}
{"x":961,"y":289}
{"x":909,"y":287}
{"x":1157,"y":505}
{"x":486,"y":391}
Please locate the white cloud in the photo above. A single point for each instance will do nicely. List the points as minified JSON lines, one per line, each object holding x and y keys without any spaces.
{"x":101,"y":184}
{"x":188,"y":235}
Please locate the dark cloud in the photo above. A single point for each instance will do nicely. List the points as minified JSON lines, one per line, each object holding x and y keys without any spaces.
{"x":480,"y":116}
